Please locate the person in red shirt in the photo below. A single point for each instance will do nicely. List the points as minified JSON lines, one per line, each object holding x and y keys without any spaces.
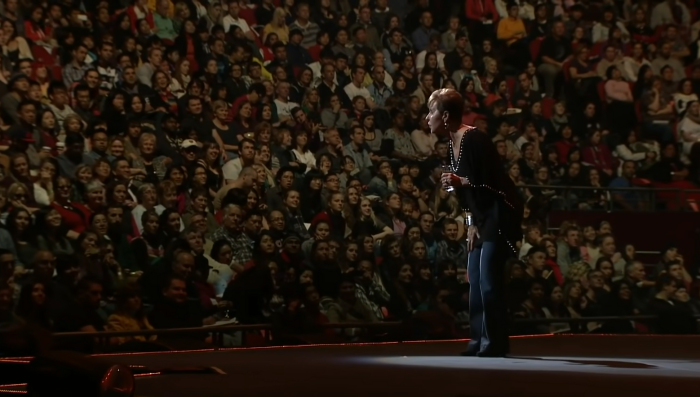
{"x":482,"y":18}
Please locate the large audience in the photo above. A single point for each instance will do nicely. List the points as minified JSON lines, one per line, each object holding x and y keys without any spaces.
{"x":188,"y":163}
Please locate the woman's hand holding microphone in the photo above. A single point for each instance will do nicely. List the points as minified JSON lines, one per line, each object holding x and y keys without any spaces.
{"x":450,"y":180}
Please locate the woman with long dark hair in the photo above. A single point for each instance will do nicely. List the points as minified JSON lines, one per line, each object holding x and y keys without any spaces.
{"x":170,"y":225}
{"x":32,"y":306}
{"x":24,"y":235}
{"x":115,"y":110}
{"x":149,"y":245}
{"x":253,"y":288}
{"x":210,"y":158}
{"x":53,"y":232}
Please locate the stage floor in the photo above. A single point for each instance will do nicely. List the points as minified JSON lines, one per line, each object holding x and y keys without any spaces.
{"x":540,"y":366}
{"x":571,"y":366}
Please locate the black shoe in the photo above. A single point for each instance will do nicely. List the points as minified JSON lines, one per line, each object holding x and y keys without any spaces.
{"x":492,"y":353}
{"x":469,"y":353}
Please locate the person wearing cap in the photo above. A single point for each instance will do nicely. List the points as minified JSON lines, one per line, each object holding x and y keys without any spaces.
{"x":189,"y":150}
{"x":18,"y":85}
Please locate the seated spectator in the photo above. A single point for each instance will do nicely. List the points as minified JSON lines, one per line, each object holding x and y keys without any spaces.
{"x":674,"y":318}
{"x":689,"y":129}
{"x":512,"y":31}
{"x":627,"y":199}
{"x":129,"y":316}
{"x":684,"y":96}
{"x":347,"y":308}
{"x":669,"y":171}
{"x":597,"y":155}
{"x":32,"y":306}
{"x":641,"y":287}
{"x":583,"y":75}
{"x":633,"y":63}
{"x":611,"y":57}
{"x":554,"y":51}
{"x":643,"y":153}
{"x":620,"y":101}
{"x":174,"y":310}
{"x":533,"y":307}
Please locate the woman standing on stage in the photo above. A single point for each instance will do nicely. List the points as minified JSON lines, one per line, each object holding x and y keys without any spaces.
{"x":486,"y":192}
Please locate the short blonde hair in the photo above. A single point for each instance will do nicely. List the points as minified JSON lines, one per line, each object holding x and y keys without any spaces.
{"x":447,"y":100}
{"x":218,"y":105}
{"x":145,"y":137}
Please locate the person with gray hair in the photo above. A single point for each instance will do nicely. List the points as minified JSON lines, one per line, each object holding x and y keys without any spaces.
{"x":147,"y":197}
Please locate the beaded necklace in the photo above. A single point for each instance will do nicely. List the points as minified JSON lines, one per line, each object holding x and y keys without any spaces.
{"x":461,"y":149}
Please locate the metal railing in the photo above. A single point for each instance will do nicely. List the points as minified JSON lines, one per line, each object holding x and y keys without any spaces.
{"x":566,"y":197}
{"x":399,"y":331}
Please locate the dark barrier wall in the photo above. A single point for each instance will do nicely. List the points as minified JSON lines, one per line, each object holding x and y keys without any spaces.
{"x":647,"y":231}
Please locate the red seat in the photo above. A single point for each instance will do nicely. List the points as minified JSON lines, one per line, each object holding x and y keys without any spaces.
{"x":597,"y":49}
{"x":510,"y":82}
{"x":43,"y":56}
{"x":548,"y":107}
{"x":535,"y":48}
{"x":565,"y":70}
{"x":602,"y":94}
{"x":638,"y":109}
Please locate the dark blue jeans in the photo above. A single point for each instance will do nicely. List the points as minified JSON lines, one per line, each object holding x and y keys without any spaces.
{"x":488,"y":316}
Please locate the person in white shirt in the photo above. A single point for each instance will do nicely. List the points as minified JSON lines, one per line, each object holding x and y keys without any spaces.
{"x":689,"y":130}
{"x":233,"y":19}
{"x":246,"y":158}
{"x":601,"y":30}
{"x":525,"y":10}
{"x":684,"y":96}
{"x":325,"y":57}
{"x":662,"y":14}
{"x":282,"y":103}
{"x":301,"y":152}
{"x":631,"y":64}
{"x":356,"y":86}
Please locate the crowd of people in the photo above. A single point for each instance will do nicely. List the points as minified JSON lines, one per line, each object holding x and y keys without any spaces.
{"x":170,"y":164}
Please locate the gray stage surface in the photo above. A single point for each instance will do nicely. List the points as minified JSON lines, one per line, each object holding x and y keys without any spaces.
{"x":541,"y":366}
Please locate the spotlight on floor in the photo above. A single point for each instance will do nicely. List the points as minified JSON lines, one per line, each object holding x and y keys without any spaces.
{"x":64,"y":373}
